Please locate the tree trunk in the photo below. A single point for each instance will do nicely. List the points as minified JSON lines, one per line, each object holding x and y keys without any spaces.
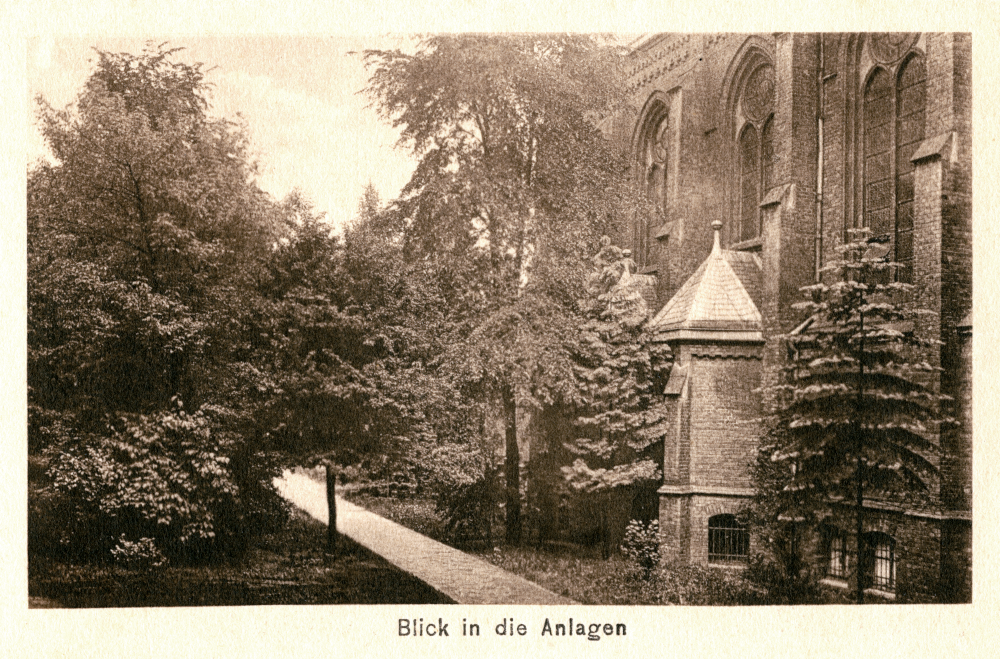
{"x":512,"y":469}
{"x":605,"y":528}
{"x":331,"y":502}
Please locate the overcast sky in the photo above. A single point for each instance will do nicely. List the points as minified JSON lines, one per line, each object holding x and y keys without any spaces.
{"x":309,"y":127}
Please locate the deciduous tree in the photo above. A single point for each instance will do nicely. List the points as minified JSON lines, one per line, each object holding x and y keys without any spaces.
{"x":514,"y":187}
{"x":145,"y":233}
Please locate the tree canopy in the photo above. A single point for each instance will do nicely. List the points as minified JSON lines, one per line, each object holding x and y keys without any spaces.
{"x":146,"y":233}
{"x":513,"y":189}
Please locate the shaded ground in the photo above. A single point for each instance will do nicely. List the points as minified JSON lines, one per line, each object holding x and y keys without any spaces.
{"x":578,"y":572}
{"x":285,"y":568}
{"x":460,"y":576}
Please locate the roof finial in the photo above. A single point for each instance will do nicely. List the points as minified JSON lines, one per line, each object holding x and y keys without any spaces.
{"x":716,"y":226}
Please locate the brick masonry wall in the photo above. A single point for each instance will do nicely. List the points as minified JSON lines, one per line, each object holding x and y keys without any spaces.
{"x":704,"y":78}
{"x":702,"y":509}
{"x":918,"y":552}
{"x":956,"y":266}
{"x":724,"y":410}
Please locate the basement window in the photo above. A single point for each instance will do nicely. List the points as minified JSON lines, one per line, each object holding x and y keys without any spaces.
{"x":728,"y":540}
{"x":837,"y":567}
{"x":880,"y":557}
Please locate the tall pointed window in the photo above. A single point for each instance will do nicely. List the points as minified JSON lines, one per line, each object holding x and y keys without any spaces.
{"x":894,"y":115}
{"x":749,"y":184}
{"x":654,"y":157}
{"x":755,"y":151}
{"x":657,"y":162}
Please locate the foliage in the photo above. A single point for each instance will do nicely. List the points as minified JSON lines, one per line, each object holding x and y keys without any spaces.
{"x":145,"y":235}
{"x":618,"y":367}
{"x":785,"y":582}
{"x":854,"y":414}
{"x":513,"y":188}
{"x":471,"y":508}
{"x":139,"y":555}
{"x":588,"y":579}
{"x":173,"y":478}
{"x":618,"y":374}
{"x":642,"y":545}
{"x":418,"y":514}
{"x":283,"y":567}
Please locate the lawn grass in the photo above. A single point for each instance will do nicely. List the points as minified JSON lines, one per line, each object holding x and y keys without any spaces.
{"x":417,"y":514}
{"x":288,"y":567}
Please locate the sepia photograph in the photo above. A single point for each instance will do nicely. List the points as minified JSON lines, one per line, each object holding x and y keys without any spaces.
{"x":605,"y":338}
{"x":570,"y":318}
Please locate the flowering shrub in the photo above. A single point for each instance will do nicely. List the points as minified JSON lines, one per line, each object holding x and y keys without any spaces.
{"x":642,"y":545}
{"x":170,"y":478}
{"x":141,"y":554}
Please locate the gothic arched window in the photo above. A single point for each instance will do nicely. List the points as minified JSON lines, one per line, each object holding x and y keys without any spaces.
{"x":654,"y":157}
{"x":893,"y":127}
{"x":657,"y":162}
{"x":755,"y":150}
{"x":749,"y":184}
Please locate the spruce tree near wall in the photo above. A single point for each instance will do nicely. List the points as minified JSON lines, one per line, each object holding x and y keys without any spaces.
{"x":856,"y":415}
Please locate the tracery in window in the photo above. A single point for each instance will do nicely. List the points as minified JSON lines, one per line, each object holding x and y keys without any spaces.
{"x":755,"y":151}
{"x":657,"y":162}
{"x":654,"y":156}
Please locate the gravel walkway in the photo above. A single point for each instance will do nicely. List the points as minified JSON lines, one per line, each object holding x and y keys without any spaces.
{"x":455,"y":574}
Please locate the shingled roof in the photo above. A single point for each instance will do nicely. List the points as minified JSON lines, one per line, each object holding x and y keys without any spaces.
{"x":715,"y":303}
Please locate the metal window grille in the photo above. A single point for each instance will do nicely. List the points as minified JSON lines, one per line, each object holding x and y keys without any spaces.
{"x":838,"y":557}
{"x":728,"y":541}
{"x":882,"y":562}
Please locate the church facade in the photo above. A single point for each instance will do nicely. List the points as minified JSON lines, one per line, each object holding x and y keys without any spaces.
{"x":760,"y":152}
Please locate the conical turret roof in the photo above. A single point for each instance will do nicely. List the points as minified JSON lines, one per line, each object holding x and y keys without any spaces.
{"x":713,"y":303}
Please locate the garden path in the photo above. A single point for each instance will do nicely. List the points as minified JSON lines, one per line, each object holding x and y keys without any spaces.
{"x":462,"y":578}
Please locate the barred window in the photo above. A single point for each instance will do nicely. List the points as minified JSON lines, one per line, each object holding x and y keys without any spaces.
{"x":837,"y":567}
{"x":728,"y":540}
{"x":880,"y":559}
{"x":893,"y":127}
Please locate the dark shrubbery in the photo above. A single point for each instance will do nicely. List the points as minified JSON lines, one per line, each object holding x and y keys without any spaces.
{"x":782,"y":586}
{"x":163,"y":486}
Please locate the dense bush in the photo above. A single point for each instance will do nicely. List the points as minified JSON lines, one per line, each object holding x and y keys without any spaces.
{"x":642,"y":545}
{"x":169,"y":483}
{"x":700,"y":585}
{"x":467,"y":490}
{"x":784,"y":586}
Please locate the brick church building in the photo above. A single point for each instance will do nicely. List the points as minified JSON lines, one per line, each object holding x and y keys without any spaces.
{"x":760,"y":152}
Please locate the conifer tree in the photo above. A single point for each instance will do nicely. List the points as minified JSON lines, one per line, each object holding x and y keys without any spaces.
{"x":619,"y":372}
{"x":855,"y":413}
